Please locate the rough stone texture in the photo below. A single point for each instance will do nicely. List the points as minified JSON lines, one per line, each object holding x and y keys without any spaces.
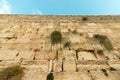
{"x":25,"y":40}
{"x":84,"y":56}
{"x":72,"y":76}
{"x":69,"y":54}
{"x":69,"y":66}
{"x":8,"y":54}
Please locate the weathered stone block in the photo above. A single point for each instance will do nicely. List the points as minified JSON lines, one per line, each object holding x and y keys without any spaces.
{"x":86,"y":56}
{"x":74,"y":38}
{"x":38,"y":65}
{"x":45,"y":55}
{"x":69,"y":66}
{"x":34,"y":75}
{"x":72,"y":76}
{"x":26,"y":55}
{"x":105,"y":75}
{"x":57,"y":65}
{"x":8,"y":54}
{"x":69,"y":54}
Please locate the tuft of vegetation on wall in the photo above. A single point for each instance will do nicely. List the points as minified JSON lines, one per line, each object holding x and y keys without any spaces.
{"x":100,"y":51}
{"x":56,"y":37}
{"x":12,"y":73}
{"x":50,"y":76}
{"x":67,"y":44}
{"x":104,"y":71}
{"x":84,"y":18}
{"x":103,"y":40}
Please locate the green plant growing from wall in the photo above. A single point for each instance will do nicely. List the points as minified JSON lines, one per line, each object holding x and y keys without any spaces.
{"x":67,"y":44}
{"x":56,"y":37}
{"x":50,"y":76}
{"x":103,"y":40}
{"x":100,"y":51}
{"x":12,"y":73}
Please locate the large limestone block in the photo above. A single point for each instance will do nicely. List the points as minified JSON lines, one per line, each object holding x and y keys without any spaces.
{"x":115,"y":64}
{"x":91,"y":64}
{"x":64,"y":30}
{"x":52,"y":55}
{"x":98,"y":75}
{"x":115,"y":52}
{"x":37,"y":44}
{"x":34,"y":75}
{"x":72,"y":76}
{"x":102,"y":30}
{"x":6,"y":35}
{"x":57,"y":65}
{"x":91,"y":30}
{"x":8,"y":54}
{"x":114,"y":75}
{"x":110,"y":55}
{"x":38,"y":65}
{"x":48,"y":45}
{"x":88,"y":46}
{"x":23,"y":40}
{"x":5,"y":46}
{"x":26,"y":35}
{"x":60,"y":55}
{"x":42,"y":55}
{"x":86,"y":56}
{"x":69,"y":66}
{"x":7,"y":63}
{"x":45,"y":55}
{"x":74,"y":38}
{"x":69,"y":54}
{"x":25,"y":55}
{"x":105,"y":75}
{"x":22,"y":46}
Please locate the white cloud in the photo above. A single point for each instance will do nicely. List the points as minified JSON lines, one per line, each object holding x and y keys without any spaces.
{"x":5,"y":7}
{"x":37,"y":12}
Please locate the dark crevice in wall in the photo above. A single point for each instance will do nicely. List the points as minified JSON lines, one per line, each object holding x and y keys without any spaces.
{"x":84,"y":18}
{"x":17,"y":54}
{"x":57,"y":54}
{"x":105,"y":72}
{"x":62,"y":67}
{"x":36,"y":50}
{"x":92,"y":78}
{"x":76,"y":54}
{"x":76,"y":67}
{"x":34,"y":58}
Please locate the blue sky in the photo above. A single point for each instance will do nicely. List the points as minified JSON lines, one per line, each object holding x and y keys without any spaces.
{"x":77,"y":7}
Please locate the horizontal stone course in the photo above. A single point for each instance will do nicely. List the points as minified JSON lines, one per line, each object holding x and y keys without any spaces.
{"x":49,"y":18}
{"x":25,"y":40}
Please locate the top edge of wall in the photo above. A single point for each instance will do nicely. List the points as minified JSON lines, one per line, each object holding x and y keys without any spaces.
{"x":78,"y":18}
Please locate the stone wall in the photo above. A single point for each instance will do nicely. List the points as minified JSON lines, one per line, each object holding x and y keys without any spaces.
{"x":25,"y":40}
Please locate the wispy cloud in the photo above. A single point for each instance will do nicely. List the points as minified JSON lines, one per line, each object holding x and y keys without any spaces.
{"x":5,"y":7}
{"x":37,"y":12}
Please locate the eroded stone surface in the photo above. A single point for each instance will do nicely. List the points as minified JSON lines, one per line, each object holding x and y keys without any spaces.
{"x":25,"y":40}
